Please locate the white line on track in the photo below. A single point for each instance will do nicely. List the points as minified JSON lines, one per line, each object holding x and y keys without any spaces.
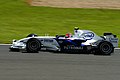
{"x":117,"y":48}
{"x":5,"y":44}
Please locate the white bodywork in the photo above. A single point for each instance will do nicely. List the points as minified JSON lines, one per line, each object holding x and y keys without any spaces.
{"x":50,"y":42}
{"x":93,"y":39}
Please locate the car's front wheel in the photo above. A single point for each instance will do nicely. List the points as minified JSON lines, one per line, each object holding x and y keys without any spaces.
{"x":33,"y":45}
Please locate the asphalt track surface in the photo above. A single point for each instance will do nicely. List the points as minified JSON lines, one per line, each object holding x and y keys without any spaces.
{"x":58,"y":66}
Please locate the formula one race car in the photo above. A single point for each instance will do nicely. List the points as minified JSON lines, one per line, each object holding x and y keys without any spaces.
{"x":83,"y":41}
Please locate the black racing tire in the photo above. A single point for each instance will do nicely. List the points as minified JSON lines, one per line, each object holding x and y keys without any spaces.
{"x":33,"y":45}
{"x":105,"y":48}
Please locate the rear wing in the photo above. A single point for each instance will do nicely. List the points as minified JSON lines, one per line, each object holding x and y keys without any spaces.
{"x":112,"y":39}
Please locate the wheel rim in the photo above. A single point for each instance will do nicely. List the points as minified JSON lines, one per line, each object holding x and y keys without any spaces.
{"x":106,"y":48}
{"x":33,"y":45}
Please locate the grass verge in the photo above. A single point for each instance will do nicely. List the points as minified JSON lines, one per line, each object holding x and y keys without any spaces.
{"x":17,"y":19}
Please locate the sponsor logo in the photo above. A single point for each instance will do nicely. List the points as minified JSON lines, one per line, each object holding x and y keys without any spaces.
{"x":113,"y":40}
{"x":73,"y":47}
{"x":88,"y":35}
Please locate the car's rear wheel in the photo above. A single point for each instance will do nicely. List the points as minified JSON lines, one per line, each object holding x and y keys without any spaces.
{"x":33,"y":45}
{"x":105,"y":48}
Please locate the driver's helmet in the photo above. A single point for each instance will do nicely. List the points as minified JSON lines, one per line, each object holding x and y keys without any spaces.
{"x":76,"y":28}
{"x":68,"y":35}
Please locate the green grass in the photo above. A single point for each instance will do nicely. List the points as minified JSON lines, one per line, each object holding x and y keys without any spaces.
{"x":17,"y":19}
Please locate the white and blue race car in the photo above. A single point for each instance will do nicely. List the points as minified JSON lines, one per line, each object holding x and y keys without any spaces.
{"x":83,"y":41}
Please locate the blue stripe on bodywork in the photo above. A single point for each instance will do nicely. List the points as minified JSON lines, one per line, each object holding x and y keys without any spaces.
{"x":71,"y":41}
